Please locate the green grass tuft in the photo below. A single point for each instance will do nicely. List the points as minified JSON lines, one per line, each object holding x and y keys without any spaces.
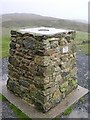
{"x":2,"y":98}
{"x":68,"y":111}
{"x":81,"y":100}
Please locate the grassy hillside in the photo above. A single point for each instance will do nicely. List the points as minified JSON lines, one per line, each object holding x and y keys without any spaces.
{"x":32,"y":20}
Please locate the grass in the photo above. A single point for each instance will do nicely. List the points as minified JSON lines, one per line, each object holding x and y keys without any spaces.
{"x":2,"y":98}
{"x":81,"y":100}
{"x":5,"y":46}
{"x":68,"y":111}
{"x":84,"y":48}
{"x":18,"y":112}
{"x":80,"y":37}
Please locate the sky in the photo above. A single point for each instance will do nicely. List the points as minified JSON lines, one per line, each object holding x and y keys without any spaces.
{"x":67,"y":9}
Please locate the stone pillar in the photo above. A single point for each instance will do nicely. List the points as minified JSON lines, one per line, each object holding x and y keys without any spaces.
{"x":42,"y":65}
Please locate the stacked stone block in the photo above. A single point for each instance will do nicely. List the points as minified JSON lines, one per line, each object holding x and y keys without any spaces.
{"x":42,"y":67}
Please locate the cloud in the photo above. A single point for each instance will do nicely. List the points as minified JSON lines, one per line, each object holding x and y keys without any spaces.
{"x":77,"y":9}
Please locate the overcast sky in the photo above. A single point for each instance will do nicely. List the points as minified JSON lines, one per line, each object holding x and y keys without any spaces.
{"x":68,"y":9}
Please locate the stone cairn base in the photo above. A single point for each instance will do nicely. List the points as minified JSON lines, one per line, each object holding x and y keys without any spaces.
{"x":42,"y":66}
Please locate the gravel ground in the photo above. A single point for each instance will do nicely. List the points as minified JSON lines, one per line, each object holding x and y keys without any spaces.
{"x":6,"y":111}
{"x":83,"y":74}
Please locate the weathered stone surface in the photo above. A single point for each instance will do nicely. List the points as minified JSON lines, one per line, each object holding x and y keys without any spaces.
{"x":56,"y":94}
{"x":14,"y":87}
{"x":14,"y":61}
{"x":11,"y":51}
{"x":29,"y":43}
{"x":13,"y":32}
{"x":24,"y":83}
{"x":13,"y":45}
{"x":42,"y":66}
{"x":59,"y":79}
{"x":14,"y":74}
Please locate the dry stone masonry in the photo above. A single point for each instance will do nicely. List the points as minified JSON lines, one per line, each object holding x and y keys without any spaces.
{"x":42,"y":65}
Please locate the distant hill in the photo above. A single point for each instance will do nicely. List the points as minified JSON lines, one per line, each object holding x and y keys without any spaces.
{"x":80,"y":20}
{"x":32,"y":20}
